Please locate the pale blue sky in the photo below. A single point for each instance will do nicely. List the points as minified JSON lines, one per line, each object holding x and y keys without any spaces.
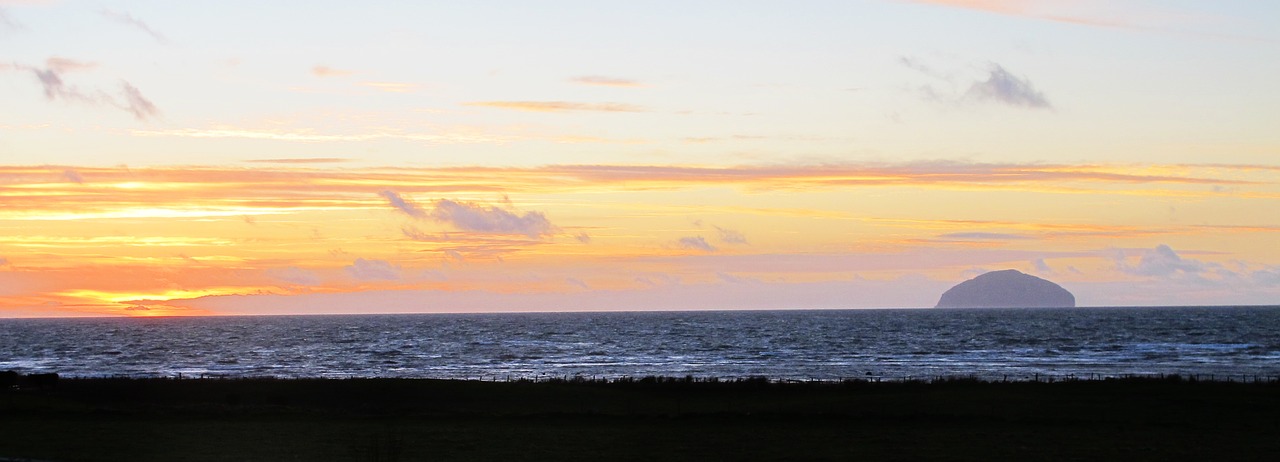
{"x":719,"y":82}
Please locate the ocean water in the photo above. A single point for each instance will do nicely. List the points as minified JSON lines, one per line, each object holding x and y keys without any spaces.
{"x":801,"y":345}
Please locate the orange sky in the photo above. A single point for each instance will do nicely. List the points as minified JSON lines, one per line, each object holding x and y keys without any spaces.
{"x":245,"y":158}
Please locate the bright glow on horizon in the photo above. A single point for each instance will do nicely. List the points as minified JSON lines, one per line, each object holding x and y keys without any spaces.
{"x":505,"y":157}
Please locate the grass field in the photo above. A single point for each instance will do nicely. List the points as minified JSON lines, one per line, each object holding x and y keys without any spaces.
{"x":669,"y":419}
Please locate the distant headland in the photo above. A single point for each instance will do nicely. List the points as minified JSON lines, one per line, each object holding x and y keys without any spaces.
{"x":1006,"y":289}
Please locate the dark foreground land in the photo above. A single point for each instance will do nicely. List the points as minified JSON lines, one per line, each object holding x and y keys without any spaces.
{"x":663,"y":420}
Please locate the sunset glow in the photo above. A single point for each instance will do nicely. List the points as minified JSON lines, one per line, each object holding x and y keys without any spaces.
{"x":512,"y":158}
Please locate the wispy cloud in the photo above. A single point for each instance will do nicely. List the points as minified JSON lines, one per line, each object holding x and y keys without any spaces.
{"x":391,"y":87}
{"x":301,"y":160}
{"x":558,"y":106}
{"x":729,"y":236}
{"x":985,"y":236}
{"x":1051,"y":10}
{"x":141,"y":107}
{"x":326,"y":71}
{"x":373,"y":270}
{"x":128,"y":20}
{"x":997,"y":85}
{"x":295,"y":275}
{"x":1006,"y":88}
{"x":409,"y":208}
{"x":470,"y":216}
{"x":46,"y":192}
{"x":73,"y":176}
{"x":313,"y":136}
{"x":602,"y":81}
{"x":1167,"y":17}
{"x":52,"y":81}
{"x":62,"y":65}
{"x":8,"y":23}
{"x":695,"y":243}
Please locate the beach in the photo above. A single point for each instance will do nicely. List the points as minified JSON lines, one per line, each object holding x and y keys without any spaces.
{"x":639,"y":419}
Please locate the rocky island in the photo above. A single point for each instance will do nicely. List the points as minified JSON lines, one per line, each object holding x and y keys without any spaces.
{"x":1006,"y":289}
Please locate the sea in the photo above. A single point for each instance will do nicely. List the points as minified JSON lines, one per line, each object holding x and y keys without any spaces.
{"x":878,"y":344}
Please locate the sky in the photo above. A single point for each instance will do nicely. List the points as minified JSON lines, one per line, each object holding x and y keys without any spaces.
{"x":221,"y":158}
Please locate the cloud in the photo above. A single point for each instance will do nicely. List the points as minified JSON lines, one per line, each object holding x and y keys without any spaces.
{"x":8,"y":23}
{"x":373,"y":270}
{"x":72,"y":176}
{"x":470,"y":216}
{"x":1041,"y":267}
{"x":732,"y":279}
{"x":998,"y":85}
{"x":64,"y":65}
{"x":658,"y":279}
{"x":1163,"y":262}
{"x":578,"y":282}
{"x":729,"y":236}
{"x":391,"y":87}
{"x":984,"y":236}
{"x":302,"y":160}
{"x":326,"y":71}
{"x":128,"y":20}
{"x":4,"y":261}
{"x":1269,"y":276}
{"x":1045,"y":10}
{"x":55,"y":88}
{"x":918,"y":66}
{"x":403,"y":205}
{"x":265,"y":189}
{"x":868,"y":174}
{"x":310,"y":136}
{"x":296,"y":275}
{"x":602,"y":81}
{"x":1006,"y":88}
{"x":695,"y":243}
{"x":582,"y":237}
{"x":558,"y":106}
{"x":134,"y":102}
{"x":416,"y":234}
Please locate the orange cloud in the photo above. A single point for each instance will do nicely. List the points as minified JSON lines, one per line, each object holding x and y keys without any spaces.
{"x":105,"y":192}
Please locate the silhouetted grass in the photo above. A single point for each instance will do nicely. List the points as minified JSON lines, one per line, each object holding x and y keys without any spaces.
{"x":680,"y":418}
